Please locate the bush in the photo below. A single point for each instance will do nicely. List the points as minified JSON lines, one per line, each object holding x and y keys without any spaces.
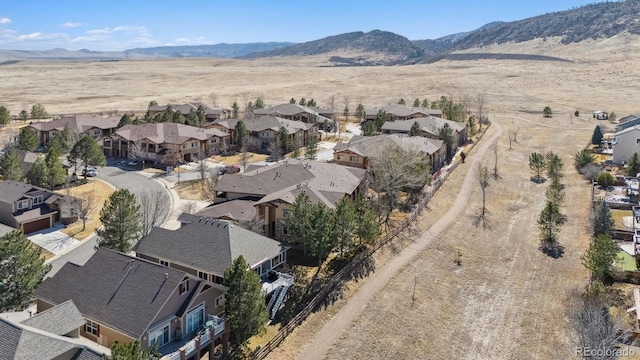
{"x":591,"y":171}
{"x":605,"y":179}
{"x":583,"y":157}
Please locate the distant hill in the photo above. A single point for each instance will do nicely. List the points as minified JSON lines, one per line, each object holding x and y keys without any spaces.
{"x":215,"y":51}
{"x":443,"y":44}
{"x":596,"y":21}
{"x":60,"y":54}
{"x":376,"y":41}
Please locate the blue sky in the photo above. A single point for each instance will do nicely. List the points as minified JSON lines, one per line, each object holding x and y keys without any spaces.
{"x":124,"y":24}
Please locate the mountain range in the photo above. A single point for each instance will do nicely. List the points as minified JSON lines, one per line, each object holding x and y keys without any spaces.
{"x":596,"y":21}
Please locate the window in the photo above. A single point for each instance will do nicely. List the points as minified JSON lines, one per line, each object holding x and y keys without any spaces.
{"x":203,"y":275}
{"x":339,"y":157}
{"x":184,"y":146}
{"x":285,"y":212}
{"x":194,"y":144}
{"x":22,"y":204}
{"x":277,"y":260}
{"x":265,"y":144}
{"x":107,"y":143}
{"x":353,"y":158}
{"x":219,"y":300}
{"x":37,"y":200}
{"x":284,"y":230}
{"x":264,"y":134}
{"x":73,"y":210}
{"x":159,"y":337}
{"x":184,"y":287}
{"x":195,"y":318}
{"x":92,"y":328}
{"x":217,"y":279}
{"x":214,"y":140}
{"x":164,"y":263}
{"x":97,"y":132}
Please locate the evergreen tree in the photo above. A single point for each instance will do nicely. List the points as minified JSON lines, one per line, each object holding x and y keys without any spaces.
{"x":24,"y":115}
{"x":37,"y":175}
{"x":28,"y":139}
{"x":21,"y":270}
{"x":549,"y":222}
{"x":38,"y":111}
{"x":425,"y":103}
{"x":537,"y":164}
{"x":192,"y":119}
{"x":445,"y":133}
{"x":367,"y":228}
{"x":284,"y":140}
{"x":120,"y":217}
{"x":125,"y":120}
{"x":55,"y":173}
{"x":633,"y":168}
{"x":600,"y":256}
{"x":260,"y":103}
{"x":416,"y":103}
{"x":10,"y":166}
{"x":596,"y":138}
{"x":5,"y":116}
{"x":402,"y":102}
{"x":602,"y":221}
{"x":360,"y":113}
{"x":235,"y":110}
{"x":582,"y":158}
{"x":62,"y":141}
{"x":369,"y":128}
{"x":546,"y":112}
{"x":244,"y":307}
{"x":319,"y":241}
{"x":132,"y":351}
{"x":292,"y":101}
{"x":88,"y":152}
{"x":311,"y":103}
{"x":415,"y":129}
{"x":201,"y":114}
{"x":302,"y":102}
{"x":240,"y":134}
{"x":605,"y":179}
{"x":554,"y":167}
{"x":298,"y":219}
{"x":381,"y":118}
{"x":344,"y":218}
{"x":312,"y":149}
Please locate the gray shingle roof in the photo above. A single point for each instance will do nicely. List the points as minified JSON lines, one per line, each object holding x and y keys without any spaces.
{"x":78,"y":123}
{"x":11,"y":191}
{"x":403,"y":110}
{"x":60,"y":319}
{"x":186,"y":108}
{"x":291,"y":110}
{"x":368,"y":146}
{"x":20,"y":342}
{"x":236,"y":210}
{"x":208,"y":245}
{"x":428,"y":124}
{"x":114,"y":289}
{"x":170,"y":133}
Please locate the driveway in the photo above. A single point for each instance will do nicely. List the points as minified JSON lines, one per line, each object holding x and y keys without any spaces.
{"x":53,"y":239}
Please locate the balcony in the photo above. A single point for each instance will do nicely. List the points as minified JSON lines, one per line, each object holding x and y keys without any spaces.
{"x":281,"y":280}
{"x":212,"y":329}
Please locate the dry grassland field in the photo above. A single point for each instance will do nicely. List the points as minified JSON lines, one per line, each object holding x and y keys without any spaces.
{"x":506,"y":300}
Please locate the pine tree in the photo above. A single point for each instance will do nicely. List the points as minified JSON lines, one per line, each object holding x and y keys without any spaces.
{"x":298,"y":221}
{"x":37,"y":175}
{"x":235,"y":110}
{"x":125,"y":120}
{"x":633,"y":168}
{"x":415,"y":129}
{"x":367,"y":227}
{"x":62,"y":141}
{"x":240,"y":134}
{"x":445,"y":133}
{"x":38,"y":111}
{"x":21,"y":270}
{"x":537,"y":164}
{"x":319,"y":241}
{"x":312,"y":149}
{"x":360,"y":113}
{"x":600,"y":256}
{"x":10,"y":166}
{"x":5,"y":116}
{"x":24,"y":115}
{"x":55,"y":173}
{"x":602,"y":222}
{"x":120,"y":217}
{"x":284,"y":140}
{"x":132,"y":351}
{"x":244,"y":307}
{"x":344,"y":218}
{"x":88,"y":152}
{"x":401,"y":101}
{"x":416,"y":103}
{"x":549,"y":222}
{"x":28,"y":139}
{"x":596,"y":138}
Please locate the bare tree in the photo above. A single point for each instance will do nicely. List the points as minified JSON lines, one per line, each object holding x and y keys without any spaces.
{"x":209,"y":183}
{"x":136,"y":151}
{"x":515,"y":134}
{"x":396,"y":169}
{"x":213,"y":98}
{"x":89,"y":204}
{"x":510,"y":135}
{"x":332,"y":105}
{"x":188,"y":207}
{"x":494,"y":150}
{"x":347,"y":102}
{"x":244,"y":156}
{"x":256,"y":224}
{"x":155,"y":207}
{"x":483,"y":180}
{"x":466,"y":102}
{"x":480,"y":104}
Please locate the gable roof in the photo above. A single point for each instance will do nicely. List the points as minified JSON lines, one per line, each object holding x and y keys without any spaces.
{"x":368,"y":146}
{"x":78,"y":123}
{"x":291,"y":110}
{"x":403,"y":110}
{"x":60,"y":319}
{"x":208,"y":245}
{"x":114,"y":289}
{"x":21,"y":342}
{"x":27,"y":158}
{"x":629,"y":129}
{"x":11,"y":191}
{"x":235,"y":210}
{"x":427,"y":124}
{"x":274,"y":123}
{"x":186,"y":108}
{"x":169,"y":133}
{"x":627,"y":119}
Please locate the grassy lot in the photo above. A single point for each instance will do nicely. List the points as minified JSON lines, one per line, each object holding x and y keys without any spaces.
{"x":618,"y":215}
{"x":236,"y":159}
{"x":96,"y":192}
{"x":45,"y":253}
{"x":625,"y":261}
{"x":190,"y":190}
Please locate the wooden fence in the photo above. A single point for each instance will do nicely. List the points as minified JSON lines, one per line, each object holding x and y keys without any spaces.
{"x":338,"y":278}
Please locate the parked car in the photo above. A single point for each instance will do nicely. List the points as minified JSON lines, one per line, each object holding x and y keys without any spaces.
{"x":89,"y":172}
{"x":230,"y":169}
{"x":132,"y":163}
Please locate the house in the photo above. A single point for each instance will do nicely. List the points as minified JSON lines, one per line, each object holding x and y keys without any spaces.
{"x":625,"y":144}
{"x":24,"y":341}
{"x":165,"y":143}
{"x":124,"y":298}
{"x":264,"y":129}
{"x":278,"y":185}
{"x":402,"y":112}
{"x":298,"y":113}
{"x":32,"y":208}
{"x":210,"y":113}
{"x":429,"y":127}
{"x":627,"y":122}
{"x":600,"y":115}
{"x":359,"y":151}
{"x":82,"y":124}
{"x":237,"y":210}
{"x":205,"y":248}
{"x":27,"y":158}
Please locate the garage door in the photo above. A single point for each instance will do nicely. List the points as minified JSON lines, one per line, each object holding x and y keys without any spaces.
{"x":36,"y":225}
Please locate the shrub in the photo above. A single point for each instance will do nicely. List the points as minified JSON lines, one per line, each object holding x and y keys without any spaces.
{"x":605,"y":179}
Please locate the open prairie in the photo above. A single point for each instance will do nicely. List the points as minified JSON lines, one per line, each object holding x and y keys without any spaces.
{"x":506,"y":300}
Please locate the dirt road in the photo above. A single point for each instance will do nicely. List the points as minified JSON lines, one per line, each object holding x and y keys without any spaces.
{"x":350,"y":312}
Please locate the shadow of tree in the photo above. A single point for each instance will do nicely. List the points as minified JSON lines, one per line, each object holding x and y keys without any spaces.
{"x":555,"y":251}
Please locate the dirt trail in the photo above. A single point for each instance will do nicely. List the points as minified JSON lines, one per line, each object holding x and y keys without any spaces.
{"x":350,"y":312}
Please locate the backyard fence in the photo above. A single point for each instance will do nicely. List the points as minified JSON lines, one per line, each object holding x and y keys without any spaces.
{"x":338,"y":278}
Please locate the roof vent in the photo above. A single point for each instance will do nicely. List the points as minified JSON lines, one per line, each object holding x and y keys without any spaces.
{"x":166,"y":275}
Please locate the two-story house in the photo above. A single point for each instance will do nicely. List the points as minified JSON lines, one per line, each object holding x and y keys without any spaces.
{"x":82,"y":124}
{"x":401,"y":112}
{"x":429,"y":127}
{"x":627,"y":122}
{"x":210,"y":113}
{"x":626,"y":142}
{"x":124,"y":299}
{"x":298,"y":113}
{"x":278,"y":185}
{"x":31,"y":208}
{"x":165,"y":143}
{"x":360,"y":150}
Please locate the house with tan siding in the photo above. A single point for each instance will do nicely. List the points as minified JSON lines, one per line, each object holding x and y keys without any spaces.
{"x":125,"y":299}
{"x":82,"y":124}
{"x":360,"y":150}
{"x":402,"y":112}
{"x":429,"y":127}
{"x":210,"y":113}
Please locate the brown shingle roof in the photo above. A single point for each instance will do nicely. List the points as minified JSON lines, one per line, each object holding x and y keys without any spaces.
{"x":169,"y":133}
{"x":79,"y":123}
{"x":427,"y":124}
{"x":369,"y":145}
{"x":402,"y":110}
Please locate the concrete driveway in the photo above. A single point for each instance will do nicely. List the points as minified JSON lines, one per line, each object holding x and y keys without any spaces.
{"x":53,"y":240}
